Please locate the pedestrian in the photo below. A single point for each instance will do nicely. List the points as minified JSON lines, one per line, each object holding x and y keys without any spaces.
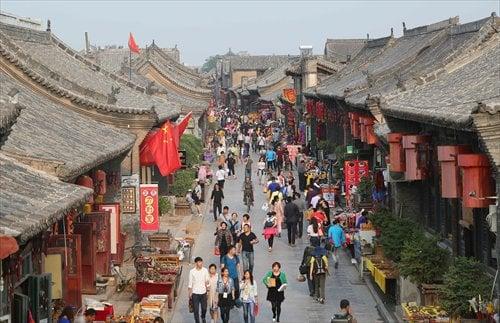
{"x":345,"y":313}
{"x":220,"y":150}
{"x":336,"y":236}
{"x":231,"y":261}
{"x":234,"y":226}
{"x":318,"y":270}
{"x":305,"y":268}
{"x":67,"y":315}
{"x":301,"y":170}
{"x":246,"y":220}
{"x":271,"y":158}
{"x":248,"y":289}
{"x":158,"y":319}
{"x":230,"y":166}
{"x":275,"y":281}
{"x":217,"y":197}
{"x":223,"y":239}
{"x":225,"y":294}
{"x":325,"y":207}
{"x":212,"y":297}
{"x":220,"y":175}
{"x":261,"y":166}
{"x":248,"y":167}
{"x":292,"y":215}
{"x":222,"y":160}
{"x":89,"y":315}
{"x":313,"y":231}
{"x":246,"y":241}
{"x":270,"y":229}
{"x":196,"y":195}
{"x":199,"y":281}
{"x":277,"y":207}
{"x":301,"y":204}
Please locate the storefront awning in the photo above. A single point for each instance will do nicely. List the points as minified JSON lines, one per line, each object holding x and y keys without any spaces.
{"x":8,"y":246}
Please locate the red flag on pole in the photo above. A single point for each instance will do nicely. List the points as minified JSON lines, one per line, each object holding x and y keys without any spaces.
{"x":164,"y":149}
{"x":145,"y":156}
{"x":181,"y":127}
{"x":132,"y":44}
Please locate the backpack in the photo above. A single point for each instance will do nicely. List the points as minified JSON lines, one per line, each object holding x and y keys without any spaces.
{"x":269,"y":223}
{"x":319,"y":265}
{"x":232,"y":227}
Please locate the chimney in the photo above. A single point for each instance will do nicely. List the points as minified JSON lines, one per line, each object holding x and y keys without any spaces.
{"x":367,"y":36}
{"x":48,"y":25}
{"x":392,"y":32}
{"x":87,"y":43}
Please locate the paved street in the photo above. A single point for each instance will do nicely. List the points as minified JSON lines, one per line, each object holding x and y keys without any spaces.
{"x":298,"y":306}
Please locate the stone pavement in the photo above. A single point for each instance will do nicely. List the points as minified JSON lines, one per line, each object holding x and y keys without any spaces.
{"x":298,"y":307}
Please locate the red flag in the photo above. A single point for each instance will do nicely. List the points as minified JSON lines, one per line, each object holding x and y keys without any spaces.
{"x":132,"y":45}
{"x":181,"y":127}
{"x":146,"y":157}
{"x":164,"y":149}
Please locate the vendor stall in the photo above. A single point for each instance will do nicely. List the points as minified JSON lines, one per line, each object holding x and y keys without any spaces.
{"x":150,"y":308}
{"x":416,"y":314}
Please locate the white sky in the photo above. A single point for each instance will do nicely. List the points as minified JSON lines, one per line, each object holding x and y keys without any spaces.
{"x":204,"y":28}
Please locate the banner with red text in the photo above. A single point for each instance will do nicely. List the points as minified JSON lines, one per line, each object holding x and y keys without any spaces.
{"x":150,"y":220}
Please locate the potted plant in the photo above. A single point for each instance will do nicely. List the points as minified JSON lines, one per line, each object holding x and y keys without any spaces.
{"x":164,"y":205}
{"x":464,"y":280}
{"x":394,"y":234}
{"x":183,"y":181}
{"x":365,"y":188}
{"x":424,"y":262}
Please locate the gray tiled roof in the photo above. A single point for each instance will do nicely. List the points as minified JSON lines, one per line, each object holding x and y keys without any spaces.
{"x":50,"y":132}
{"x":257,"y":62}
{"x":8,"y":114}
{"x":340,"y":49}
{"x":31,"y":201}
{"x":53,"y":64}
{"x":450,"y":99}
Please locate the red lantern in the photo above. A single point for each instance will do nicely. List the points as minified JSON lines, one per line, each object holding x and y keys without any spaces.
{"x":100,"y":180}
{"x":86,"y":181}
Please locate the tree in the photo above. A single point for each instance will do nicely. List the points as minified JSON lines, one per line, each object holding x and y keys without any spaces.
{"x":210,"y":63}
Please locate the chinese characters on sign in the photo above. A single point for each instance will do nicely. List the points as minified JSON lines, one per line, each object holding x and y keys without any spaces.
{"x":128,"y":199}
{"x":149,"y":207}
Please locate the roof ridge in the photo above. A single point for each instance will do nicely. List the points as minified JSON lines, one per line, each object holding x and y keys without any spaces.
{"x":56,"y":88}
{"x":177,"y":64}
{"x":452,"y":21}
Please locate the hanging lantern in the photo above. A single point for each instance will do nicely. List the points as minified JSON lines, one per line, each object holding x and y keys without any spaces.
{"x":87,"y":181}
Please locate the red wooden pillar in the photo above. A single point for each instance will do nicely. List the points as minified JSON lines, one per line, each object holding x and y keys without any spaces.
{"x":477,"y":184}
{"x":451,"y":184}
{"x":396,"y":152}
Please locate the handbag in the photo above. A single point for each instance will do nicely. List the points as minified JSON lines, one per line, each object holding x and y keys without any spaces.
{"x":303,"y":269}
{"x":191,"y":307}
{"x":255,"y":309}
{"x":217,"y":251}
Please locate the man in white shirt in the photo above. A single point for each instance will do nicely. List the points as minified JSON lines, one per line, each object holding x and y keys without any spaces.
{"x":199,"y":281}
{"x":220,"y":176}
{"x":220,"y":149}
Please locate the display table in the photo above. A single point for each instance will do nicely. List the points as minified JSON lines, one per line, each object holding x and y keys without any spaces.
{"x":102,"y":314}
{"x":430,"y":314}
{"x":384,"y":272}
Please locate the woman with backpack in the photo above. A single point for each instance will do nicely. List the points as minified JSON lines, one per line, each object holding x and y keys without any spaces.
{"x":318,"y":271}
{"x":270,"y":229}
{"x":275,"y":281}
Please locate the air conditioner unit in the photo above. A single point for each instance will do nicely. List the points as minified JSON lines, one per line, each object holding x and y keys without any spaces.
{"x":491,"y":218}
{"x":396,"y":177}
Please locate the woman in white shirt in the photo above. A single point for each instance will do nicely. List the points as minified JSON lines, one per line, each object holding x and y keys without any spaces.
{"x":313,"y":230}
{"x":248,"y":289}
{"x":261,"y":166}
{"x":212,"y":292}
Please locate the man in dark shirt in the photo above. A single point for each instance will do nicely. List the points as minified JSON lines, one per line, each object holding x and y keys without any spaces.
{"x":231,"y":161}
{"x":292,"y":215}
{"x":301,"y":169}
{"x":246,"y":241}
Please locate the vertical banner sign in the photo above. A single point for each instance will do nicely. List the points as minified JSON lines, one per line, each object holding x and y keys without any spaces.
{"x":149,"y":207}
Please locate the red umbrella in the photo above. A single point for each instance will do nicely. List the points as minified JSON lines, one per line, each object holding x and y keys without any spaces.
{"x":8,"y":246}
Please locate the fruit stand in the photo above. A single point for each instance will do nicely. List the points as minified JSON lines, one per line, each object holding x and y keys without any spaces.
{"x":384,"y":273}
{"x":428,"y":314}
{"x":158,"y":274}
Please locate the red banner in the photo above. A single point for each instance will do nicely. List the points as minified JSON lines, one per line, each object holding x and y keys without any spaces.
{"x":150,"y":220}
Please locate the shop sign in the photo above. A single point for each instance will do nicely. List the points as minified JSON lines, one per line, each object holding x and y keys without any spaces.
{"x":149,"y":207}
{"x":130,"y":193}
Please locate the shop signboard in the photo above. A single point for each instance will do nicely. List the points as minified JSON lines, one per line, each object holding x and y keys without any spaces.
{"x":129,"y":193}
{"x":149,"y":207}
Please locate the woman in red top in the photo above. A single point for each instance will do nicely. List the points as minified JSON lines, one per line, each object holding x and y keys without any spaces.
{"x":320,"y":218}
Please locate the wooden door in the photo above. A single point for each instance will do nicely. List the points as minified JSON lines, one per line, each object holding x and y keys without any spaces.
{"x":20,"y":308}
{"x":73,"y":262}
{"x":115,"y":229}
{"x":86,"y":230}
{"x":103,"y":256}
{"x":38,"y":288}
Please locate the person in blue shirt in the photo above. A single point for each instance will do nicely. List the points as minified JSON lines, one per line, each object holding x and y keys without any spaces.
{"x":336,"y":236}
{"x":232,"y":262}
{"x":271,"y":158}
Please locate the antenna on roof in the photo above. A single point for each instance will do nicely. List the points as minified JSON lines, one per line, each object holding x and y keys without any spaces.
{"x":153,"y":42}
{"x":48,"y":25}
{"x":404,"y":26}
{"x":392,"y":32}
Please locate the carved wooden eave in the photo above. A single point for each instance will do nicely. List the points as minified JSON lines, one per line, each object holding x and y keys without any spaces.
{"x":486,"y":122}
{"x":109,"y":114}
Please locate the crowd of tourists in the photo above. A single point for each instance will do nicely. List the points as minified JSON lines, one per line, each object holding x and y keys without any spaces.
{"x":293,"y":195}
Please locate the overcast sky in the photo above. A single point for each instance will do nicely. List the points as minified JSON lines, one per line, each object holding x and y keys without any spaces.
{"x":204,"y":28}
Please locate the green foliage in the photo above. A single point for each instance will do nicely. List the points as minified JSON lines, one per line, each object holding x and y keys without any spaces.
{"x":183,"y":180}
{"x":394,"y":234}
{"x":365,"y":188}
{"x":465,"y":279}
{"x":327,"y":146}
{"x":422,"y":260}
{"x":164,"y":205}
{"x":193,"y":147}
{"x":381,"y":218}
{"x":339,"y":164}
{"x":210,"y":63}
